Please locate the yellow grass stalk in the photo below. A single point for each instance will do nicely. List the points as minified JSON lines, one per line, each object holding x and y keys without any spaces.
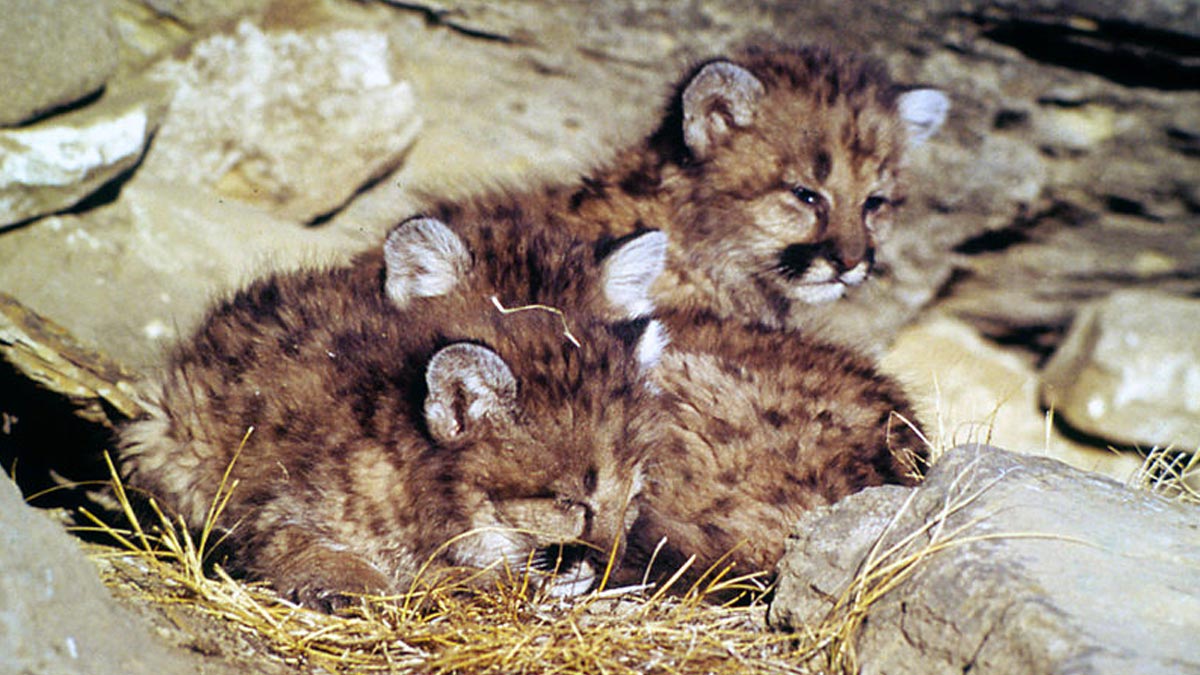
{"x":450,"y":623}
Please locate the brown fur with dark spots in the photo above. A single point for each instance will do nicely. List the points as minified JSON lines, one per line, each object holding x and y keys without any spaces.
{"x":740,"y":240}
{"x":342,"y":486}
{"x":763,"y":425}
{"x":725,"y":481}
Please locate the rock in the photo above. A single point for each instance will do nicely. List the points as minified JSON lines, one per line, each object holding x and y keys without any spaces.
{"x":971,"y":390}
{"x":56,"y":616}
{"x":293,"y":122}
{"x":45,"y":353}
{"x":131,"y":276}
{"x":203,"y":12}
{"x":1129,"y":371}
{"x":1031,"y":278}
{"x":52,"y":53}
{"x":52,"y":165}
{"x":1040,"y":568}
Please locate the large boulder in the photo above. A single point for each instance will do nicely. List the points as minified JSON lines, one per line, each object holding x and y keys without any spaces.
{"x":292,"y":121}
{"x":1129,"y":371}
{"x":1001,"y":563}
{"x":52,"y":53}
{"x":971,"y":390}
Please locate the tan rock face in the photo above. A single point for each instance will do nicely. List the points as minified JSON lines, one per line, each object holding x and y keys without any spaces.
{"x":1129,"y":371}
{"x":972,"y":391}
{"x":266,"y":117}
{"x":52,"y":53}
{"x":131,"y":277}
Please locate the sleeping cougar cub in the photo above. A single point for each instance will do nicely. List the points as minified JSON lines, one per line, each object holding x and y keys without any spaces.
{"x":405,"y":421}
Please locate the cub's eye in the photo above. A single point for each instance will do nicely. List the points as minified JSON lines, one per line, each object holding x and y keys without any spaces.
{"x":807,"y":196}
{"x":874,"y":203}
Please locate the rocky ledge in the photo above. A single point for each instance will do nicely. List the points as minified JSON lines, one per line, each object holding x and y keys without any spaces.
{"x":1001,"y":563}
{"x":156,"y":152}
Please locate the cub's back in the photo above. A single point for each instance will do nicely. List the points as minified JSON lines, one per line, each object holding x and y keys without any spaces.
{"x":760,"y":427}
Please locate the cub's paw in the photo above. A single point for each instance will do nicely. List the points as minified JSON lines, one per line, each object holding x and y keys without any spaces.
{"x":328,"y":580}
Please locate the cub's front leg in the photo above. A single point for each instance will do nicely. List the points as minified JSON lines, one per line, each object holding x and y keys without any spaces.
{"x":315,"y":572}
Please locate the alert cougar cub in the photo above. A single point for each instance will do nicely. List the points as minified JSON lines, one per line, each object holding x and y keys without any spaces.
{"x":774,"y":174}
{"x":405,"y":419}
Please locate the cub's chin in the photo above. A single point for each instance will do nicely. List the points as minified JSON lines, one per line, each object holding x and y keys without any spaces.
{"x":818,"y":287}
{"x":570,"y":582}
{"x":818,"y":293}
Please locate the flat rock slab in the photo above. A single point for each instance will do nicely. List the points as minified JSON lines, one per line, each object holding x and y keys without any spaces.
{"x":54,"y":164}
{"x":1004,"y":563}
{"x":157,"y":258}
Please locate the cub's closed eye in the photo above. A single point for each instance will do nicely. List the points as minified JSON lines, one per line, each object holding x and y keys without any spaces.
{"x":807,"y":196}
{"x":874,"y":204}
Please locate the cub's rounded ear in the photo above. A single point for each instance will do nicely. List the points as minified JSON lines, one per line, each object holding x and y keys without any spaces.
{"x":720,"y":97}
{"x":923,"y":111}
{"x":631,"y":269}
{"x":467,"y":383}
{"x":424,"y":258}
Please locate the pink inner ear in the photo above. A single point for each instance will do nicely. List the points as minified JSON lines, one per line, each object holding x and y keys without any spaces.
{"x":424,"y":258}
{"x":466,"y":383}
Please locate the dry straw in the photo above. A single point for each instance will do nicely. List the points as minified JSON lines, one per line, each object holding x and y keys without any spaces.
{"x":443,"y":626}
{"x":1170,"y":473}
{"x":447,"y":627}
{"x":544,"y":308}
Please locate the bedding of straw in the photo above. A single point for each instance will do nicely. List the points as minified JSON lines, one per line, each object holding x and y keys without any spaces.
{"x":448,"y":628}
{"x":452,"y":629}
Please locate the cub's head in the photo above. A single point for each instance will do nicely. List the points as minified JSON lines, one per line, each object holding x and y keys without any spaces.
{"x":537,"y":403}
{"x":794,"y":157}
{"x":546,"y":441}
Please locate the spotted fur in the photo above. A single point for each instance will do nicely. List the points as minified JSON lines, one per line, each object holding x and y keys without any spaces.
{"x":390,"y":407}
{"x":759,"y":426}
{"x":774,"y":173}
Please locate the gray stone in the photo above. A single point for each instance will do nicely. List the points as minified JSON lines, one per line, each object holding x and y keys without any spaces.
{"x":269,"y":117}
{"x":1165,"y":16}
{"x":56,"y":617}
{"x":1129,"y":371}
{"x":1041,"y":569}
{"x":52,"y":53}
{"x":51,"y":165}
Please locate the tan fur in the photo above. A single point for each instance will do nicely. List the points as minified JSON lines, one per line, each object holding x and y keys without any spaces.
{"x":774,"y":174}
{"x":760,"y":427}
{"x":381,"y":432}
{"x":384,"y":430}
